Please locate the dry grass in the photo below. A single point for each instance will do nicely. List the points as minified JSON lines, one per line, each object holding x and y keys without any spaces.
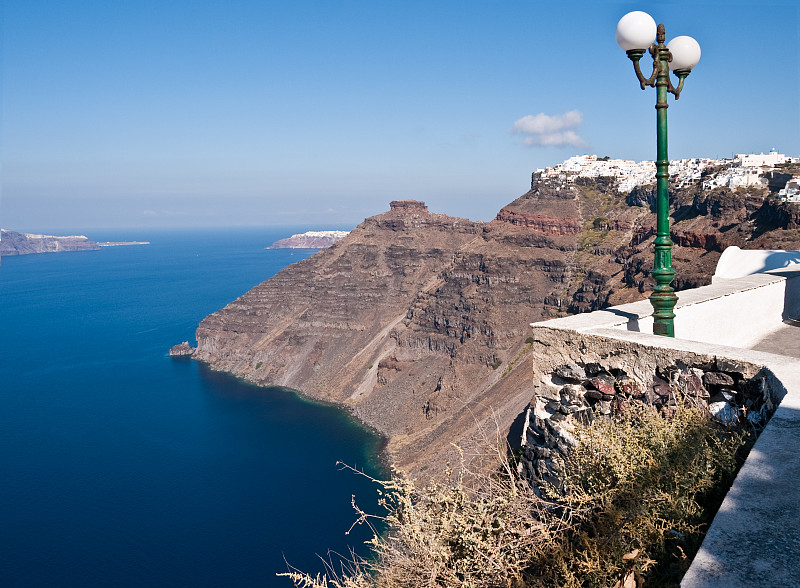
{"x":641,"y":483}
{"x":644,"y":482}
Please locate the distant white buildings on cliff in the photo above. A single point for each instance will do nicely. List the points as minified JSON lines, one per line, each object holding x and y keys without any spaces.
{"x":310,"y":240}
{"x":741,"y":171}
{"x":791,"y":191}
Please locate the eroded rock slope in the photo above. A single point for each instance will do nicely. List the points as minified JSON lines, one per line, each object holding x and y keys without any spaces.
{"x":419,"y":321}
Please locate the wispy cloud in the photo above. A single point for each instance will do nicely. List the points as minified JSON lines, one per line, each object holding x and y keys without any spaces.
{"x":165,"y":213}
{"x":545,"y":130}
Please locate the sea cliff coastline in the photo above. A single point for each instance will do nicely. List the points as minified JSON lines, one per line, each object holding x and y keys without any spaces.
{"x":15,"y":243}
{"x":418,"y":322}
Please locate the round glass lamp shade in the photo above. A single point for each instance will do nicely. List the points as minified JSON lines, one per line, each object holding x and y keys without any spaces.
{"x":685,"y":53}
{"x":636,"y":30}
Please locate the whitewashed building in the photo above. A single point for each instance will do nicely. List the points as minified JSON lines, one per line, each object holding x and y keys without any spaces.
{"x":742,"y":171}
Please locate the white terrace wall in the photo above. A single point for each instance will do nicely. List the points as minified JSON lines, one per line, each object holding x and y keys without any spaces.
{"x":737,"y":312}
{"x":732,"y":312}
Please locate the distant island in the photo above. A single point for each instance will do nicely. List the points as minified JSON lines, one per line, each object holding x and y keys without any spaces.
{"x":310,"y":240}
{"x":14,"y":243}
{"x":121,"y":243}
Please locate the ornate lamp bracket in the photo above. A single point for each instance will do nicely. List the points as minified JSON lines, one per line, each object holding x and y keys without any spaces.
{"x":661,"y":58}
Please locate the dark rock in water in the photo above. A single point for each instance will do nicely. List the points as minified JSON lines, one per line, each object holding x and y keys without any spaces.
{"x":181,"y":349}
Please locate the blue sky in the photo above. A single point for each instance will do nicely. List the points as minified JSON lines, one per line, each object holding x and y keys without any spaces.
{"x":156,"y":113}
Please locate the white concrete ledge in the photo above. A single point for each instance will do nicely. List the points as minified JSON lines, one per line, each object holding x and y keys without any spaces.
{"x":736,"y":312}
{"x":755,"y":538}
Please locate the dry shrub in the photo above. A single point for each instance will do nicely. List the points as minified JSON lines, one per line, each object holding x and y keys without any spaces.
{"x":643,"y":481}
{"x":640,"y":482}
{"x":480,"y":534}
{"x":452,"y":535}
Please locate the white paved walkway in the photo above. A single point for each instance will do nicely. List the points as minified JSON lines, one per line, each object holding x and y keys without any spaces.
{"x":783,"y":341}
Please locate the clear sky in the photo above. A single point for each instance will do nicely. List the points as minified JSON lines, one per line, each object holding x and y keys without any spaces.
{"x":256,"y":112}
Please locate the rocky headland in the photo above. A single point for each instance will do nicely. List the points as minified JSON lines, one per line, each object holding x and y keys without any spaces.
{"x":122,"y":243}
{"x":14,"y":243}
{"x":418,"y":322}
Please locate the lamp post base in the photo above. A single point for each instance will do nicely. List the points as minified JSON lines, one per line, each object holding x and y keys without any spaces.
{"x":663,"y":315}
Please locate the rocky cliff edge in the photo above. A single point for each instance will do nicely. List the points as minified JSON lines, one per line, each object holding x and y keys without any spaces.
{"x":418,"y":322}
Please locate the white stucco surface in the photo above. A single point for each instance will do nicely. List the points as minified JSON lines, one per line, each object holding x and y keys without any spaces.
{"x":734,"y":312}
{"x":736,"y":263}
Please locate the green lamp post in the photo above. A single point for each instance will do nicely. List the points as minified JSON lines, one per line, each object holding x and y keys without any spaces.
{"x":636,"y":33}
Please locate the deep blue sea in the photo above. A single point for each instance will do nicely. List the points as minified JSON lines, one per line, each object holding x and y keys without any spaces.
{"x":120,"y":466}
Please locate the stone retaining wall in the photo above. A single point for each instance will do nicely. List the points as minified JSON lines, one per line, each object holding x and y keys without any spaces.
{"x":583,"y":377}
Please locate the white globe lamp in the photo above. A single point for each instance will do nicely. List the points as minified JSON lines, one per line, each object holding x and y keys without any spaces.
{"x":685,"y":53}
{"x":636,"y":30}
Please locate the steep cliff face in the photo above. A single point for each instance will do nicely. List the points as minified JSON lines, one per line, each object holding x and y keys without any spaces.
{"x":418,"y":321}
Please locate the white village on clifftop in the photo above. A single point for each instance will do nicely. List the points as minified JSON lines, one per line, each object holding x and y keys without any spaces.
{"x":742,"y":170}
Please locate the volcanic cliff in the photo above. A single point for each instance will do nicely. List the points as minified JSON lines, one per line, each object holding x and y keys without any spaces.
{"x":14,"y":243}
{"x":418,"y":321}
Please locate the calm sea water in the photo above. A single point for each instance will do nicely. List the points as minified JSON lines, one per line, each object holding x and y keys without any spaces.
{"x":122,"y":467}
